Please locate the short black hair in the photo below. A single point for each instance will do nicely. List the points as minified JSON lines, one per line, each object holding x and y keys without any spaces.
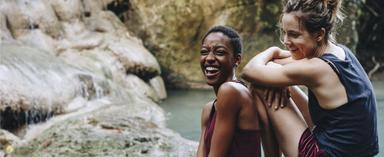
{"x":234,"y":37}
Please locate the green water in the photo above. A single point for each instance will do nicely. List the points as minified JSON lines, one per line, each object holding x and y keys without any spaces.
{"x":183,"y":109}
{"x":379,"y":90}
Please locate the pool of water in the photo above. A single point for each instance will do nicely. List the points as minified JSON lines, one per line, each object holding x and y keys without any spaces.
{"x":183,"y":108}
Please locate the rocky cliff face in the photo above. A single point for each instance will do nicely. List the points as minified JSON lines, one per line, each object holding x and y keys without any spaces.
{"x":172,"y":29}
{"x":76,"y":82}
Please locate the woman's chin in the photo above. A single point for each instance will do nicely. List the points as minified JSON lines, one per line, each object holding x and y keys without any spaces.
{"x":213,"y":82}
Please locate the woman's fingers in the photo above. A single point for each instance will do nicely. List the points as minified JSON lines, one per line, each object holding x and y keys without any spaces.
{"x":279,"y":97}
{"x":268,"y":94}
{"x":284,"y":97}
{"x":272,"y":97}
{"x":275,"y":97}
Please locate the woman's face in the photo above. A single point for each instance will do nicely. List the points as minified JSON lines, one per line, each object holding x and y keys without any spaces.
{"x":296,"y":37}
{"x":217,"y":59}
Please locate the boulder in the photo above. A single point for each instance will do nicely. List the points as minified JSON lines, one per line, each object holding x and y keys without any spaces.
{"x":124,"y":130}
{"x":172,"y":30}
{"x":67,"y":10}
{"x":24,"y":16}
{"x":5,"y":34}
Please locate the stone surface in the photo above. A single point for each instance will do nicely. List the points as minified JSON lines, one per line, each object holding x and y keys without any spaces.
{"x":74,"y":66}
{"x":118,"y":130}
{"x":157,"y":84}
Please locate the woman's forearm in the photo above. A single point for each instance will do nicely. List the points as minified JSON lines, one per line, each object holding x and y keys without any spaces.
{"x":263,"y":58}
{"x":257,"y":63}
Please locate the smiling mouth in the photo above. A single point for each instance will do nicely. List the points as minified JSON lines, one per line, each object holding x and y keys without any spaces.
{"x":293,"y":50}
{"x":211,"y":71}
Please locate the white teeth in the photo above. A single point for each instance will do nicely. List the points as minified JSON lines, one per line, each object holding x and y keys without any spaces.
{"x":211,"y":68}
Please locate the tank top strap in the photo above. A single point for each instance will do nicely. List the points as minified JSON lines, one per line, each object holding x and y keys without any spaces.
{"x":333,"y":66}
{"x":331,"y":60}
{"x":213,"y":109}
{"x":241,"y":82}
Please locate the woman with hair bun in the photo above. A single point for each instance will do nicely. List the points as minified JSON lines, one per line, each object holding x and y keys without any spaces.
{"x":338,"y":117}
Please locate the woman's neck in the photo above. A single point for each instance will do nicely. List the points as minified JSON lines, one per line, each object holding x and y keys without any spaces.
{"x":330,"y":48}
{"x":216,"y":88}
{"x":321,"y":49}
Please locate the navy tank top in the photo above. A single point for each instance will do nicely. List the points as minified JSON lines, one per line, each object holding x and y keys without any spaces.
{"x":351,"y":129}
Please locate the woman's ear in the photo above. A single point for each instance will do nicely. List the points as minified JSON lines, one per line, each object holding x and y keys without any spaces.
{"x":320,"y":35}
{"x":237,"y":60}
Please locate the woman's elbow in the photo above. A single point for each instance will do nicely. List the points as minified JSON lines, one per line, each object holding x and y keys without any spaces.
{"x":245,"y":73}
{"x":248,"y":72}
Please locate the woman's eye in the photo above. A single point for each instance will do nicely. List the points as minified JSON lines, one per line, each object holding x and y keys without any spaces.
{"x":203,"y":52}
{"x":294,"y":35}
{"x":220,"y":52}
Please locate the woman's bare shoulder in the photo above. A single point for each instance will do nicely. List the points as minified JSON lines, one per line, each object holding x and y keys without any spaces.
{"x":231,"y":94}
{"x":306,"y":71}
{"x":233,"y":88}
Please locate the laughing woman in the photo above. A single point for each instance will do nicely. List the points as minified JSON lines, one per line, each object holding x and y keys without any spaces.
{"x":338,"y":117}
{"x":230,"y":123}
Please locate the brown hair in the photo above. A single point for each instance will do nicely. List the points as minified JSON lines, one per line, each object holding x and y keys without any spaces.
{"x":317,"y":14}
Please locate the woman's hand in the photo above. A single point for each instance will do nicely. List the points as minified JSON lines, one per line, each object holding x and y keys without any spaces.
{"x":272,"y":97}
{"x":277,"y":97}
{"x":283,"y":61}
{"x":280,"y":53}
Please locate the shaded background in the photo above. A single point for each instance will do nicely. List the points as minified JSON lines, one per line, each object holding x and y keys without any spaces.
{"x":172,"y":30}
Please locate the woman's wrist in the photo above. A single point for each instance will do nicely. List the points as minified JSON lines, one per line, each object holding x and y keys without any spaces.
{"x":268,"y":55}
{"x":274,"y":52}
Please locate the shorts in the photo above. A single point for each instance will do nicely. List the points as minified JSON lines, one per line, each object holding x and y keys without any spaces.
{"x":308,"y":146}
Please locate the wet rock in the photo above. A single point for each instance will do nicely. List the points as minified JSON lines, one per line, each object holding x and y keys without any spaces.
{"x":79,"y":37}
{"x":118,"y":135}
{"x":68,"y":10}
{"x":92,"y":7}
{"x":103,"y":22}
{"x":24,"y":16}
{"x":135,"y":58}
{"x":141,"y":87}
{"x":158,"y":86}
{"x":83,"y":73}
{"x":36,"y":38}
{"x":36,"y":85}
{"x":4,"y":32}
{"x":7,"y":138}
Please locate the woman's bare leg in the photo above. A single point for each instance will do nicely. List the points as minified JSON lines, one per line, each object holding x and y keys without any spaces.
{"x":268,"y":137}
{"x":287,"y":124}
{"x":301,"y":101}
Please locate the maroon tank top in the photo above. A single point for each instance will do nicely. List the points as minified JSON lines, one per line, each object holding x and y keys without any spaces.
{"x":245,"y":143}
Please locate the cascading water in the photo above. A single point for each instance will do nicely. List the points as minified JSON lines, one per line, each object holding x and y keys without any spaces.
{"x":42,"y":86}
{"x":69,"y":89}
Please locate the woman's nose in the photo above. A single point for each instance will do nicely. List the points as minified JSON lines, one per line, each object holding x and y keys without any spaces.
{"x":286,"y":41}
{"x":210,"y":56}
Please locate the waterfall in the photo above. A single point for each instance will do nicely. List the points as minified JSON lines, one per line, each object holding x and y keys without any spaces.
{"x":72,"y":74}
{"x":36,"y":85}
